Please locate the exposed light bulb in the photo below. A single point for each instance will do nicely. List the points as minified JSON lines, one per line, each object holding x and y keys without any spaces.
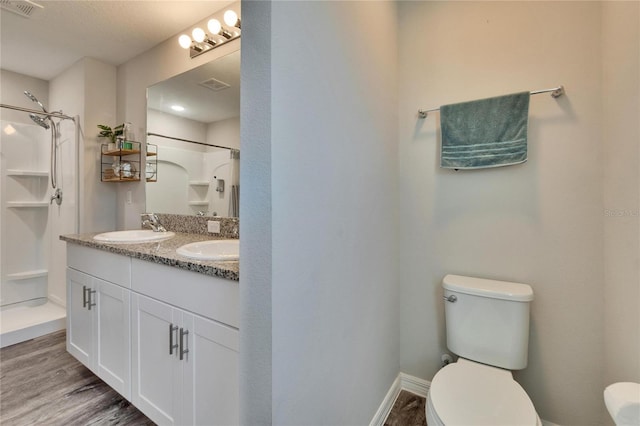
{"x":214,"y":26}
{"x":231,"y":18}
{"x":198,"y":34}
{"x":177,"y":107}
{"x":184,"y":41}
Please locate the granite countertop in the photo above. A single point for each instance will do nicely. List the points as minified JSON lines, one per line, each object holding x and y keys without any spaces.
{"x":163,"y":252}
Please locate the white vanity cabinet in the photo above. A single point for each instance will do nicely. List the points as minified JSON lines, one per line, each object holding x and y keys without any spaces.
{"x":185,"y":363}
{"x":165,"y":338}
{"x":98,"y":311}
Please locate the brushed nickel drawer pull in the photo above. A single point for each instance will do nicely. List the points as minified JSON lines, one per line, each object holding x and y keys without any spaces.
{"x":172,"y":346}
{"x":89,"y":293}
{"x":84,"y":296}
{"x":183,"y":349}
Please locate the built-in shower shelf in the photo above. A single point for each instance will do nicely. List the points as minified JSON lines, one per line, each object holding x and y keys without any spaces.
{"x":36,"y":273}
{"x":198,"y":203}
{"x":27,"y":204}
{"x":199,"y":182}
{"x":29,"y":173}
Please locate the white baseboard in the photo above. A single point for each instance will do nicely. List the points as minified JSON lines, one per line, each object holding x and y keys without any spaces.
{"x":406,"y":382}
{"x":414,"y":384}
{"x":387,"y":404}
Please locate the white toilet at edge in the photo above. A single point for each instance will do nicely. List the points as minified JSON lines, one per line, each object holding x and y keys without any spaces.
{"x":487,"y":326}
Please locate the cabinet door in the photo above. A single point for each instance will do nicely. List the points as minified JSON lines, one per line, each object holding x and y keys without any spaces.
{"x":155,"y":372}
{"x":210,"y":371}
{"x":112,"y":335}
{"x":79,"y":318}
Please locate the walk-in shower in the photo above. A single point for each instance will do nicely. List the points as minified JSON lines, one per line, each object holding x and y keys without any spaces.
{"x":32,"y":292}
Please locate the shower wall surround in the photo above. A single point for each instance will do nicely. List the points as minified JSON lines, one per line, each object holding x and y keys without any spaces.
{"x":25,"y":243}
{"x":31,"y":267}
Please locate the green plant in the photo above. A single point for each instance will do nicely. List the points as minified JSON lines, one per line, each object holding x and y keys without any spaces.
{"x":108,"y":132}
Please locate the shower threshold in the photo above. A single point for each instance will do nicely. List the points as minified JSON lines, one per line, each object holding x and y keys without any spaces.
{"x":27,"y":320}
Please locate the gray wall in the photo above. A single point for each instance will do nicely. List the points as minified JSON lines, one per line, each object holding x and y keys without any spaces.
{"x":335,"y":347}
{"x":542,"y":222}
{"x":255,"y":215}
{"x":621,"y":159}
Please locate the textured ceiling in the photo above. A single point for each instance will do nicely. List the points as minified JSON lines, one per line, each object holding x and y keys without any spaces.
{"x":112,"y":31}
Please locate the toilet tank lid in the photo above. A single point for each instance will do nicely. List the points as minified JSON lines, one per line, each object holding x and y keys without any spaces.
{"x":488,"y":288}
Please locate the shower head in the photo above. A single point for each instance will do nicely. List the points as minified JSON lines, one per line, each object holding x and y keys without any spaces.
{"x":40,"y":121}
{"x":29,"y":95}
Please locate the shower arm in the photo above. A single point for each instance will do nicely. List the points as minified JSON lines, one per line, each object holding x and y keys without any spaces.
{"x":35,"y":111}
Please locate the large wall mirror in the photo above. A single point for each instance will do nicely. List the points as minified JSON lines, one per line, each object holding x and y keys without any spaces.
{"x":194,"y":121}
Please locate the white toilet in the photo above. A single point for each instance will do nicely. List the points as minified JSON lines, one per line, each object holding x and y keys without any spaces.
{"x":487,"y":325}
{"x":623,"y":403}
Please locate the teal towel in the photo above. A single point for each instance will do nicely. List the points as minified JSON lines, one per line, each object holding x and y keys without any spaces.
{"x":485,"y":133}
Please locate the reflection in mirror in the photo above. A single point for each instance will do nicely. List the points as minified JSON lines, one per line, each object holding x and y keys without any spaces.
{"x":194,"y":119}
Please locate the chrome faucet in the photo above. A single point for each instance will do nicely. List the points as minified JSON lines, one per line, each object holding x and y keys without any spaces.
{"x":151,"y":220}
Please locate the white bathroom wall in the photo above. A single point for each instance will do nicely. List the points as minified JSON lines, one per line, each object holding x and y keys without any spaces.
{"x":225,"y":133}
{"x":163,"y":61}
{"x":86,"y":89}
{"x":171,"y":125}
{"x":256,"y":274}
{"x":12,"y":86}
{"x":621,"y":160}
{"x":540,"y":222}
{"x":334,"y":210}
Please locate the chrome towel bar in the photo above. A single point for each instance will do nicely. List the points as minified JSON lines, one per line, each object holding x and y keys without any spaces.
{"x":556,"y":92}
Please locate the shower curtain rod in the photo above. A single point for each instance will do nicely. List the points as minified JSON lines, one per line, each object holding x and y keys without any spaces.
{"x":556,"y":92}
{"x":35,"y":111}
{"x":187,"y":140}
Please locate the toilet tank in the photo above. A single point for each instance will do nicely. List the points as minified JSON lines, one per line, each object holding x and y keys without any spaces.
{"x":489,"y":320}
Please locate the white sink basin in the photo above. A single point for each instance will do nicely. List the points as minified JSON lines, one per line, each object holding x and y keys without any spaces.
{"x":211,"y":250}
{"x":133,"y":236}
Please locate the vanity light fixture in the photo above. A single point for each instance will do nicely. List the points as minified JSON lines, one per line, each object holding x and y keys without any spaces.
{"x":201,"y":42}
{"x":231,"y":19}
{"x":198,"y":35}
{"x":177,"y":107}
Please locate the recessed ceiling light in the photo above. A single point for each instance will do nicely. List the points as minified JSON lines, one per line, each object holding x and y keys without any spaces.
{"x":9,"y":129}
{"x":177,"y":108}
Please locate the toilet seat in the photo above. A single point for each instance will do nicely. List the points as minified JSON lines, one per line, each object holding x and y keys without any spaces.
{"x":469,"y":393}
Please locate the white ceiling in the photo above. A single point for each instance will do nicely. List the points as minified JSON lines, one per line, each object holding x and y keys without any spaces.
{"x":112,"y":31}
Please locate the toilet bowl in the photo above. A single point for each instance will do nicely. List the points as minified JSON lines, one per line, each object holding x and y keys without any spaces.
{"x":623,"y":403}
{"x":470,"y":393}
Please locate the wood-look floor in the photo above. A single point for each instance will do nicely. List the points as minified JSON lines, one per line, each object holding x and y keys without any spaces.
{"x":408,"y":410}
{"x":41,"y":384}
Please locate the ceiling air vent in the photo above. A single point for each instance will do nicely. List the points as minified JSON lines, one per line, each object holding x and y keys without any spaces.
{"x":24,"y":8}
{"x":215,"y":85}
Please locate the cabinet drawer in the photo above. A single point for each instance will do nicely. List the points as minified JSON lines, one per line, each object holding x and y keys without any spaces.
{"x":111,"y":267}
{"x":208,"y":296}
